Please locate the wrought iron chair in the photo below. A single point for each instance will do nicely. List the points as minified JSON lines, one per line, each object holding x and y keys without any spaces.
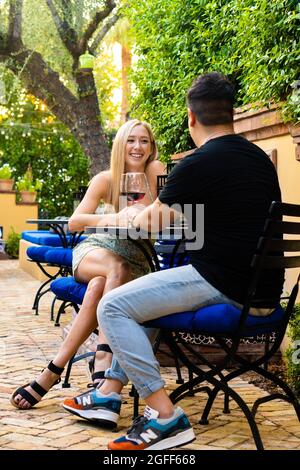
{"x":71,"y":293}
{"x":230,"y":326}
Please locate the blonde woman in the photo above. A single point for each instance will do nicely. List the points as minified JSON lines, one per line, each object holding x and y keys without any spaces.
{"x":102,"y":261}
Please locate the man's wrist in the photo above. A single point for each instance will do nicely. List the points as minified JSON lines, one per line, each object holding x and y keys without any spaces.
{"x":131,"y":221}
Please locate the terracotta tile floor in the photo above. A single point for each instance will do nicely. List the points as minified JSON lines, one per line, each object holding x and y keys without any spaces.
{"x":28,"y":342}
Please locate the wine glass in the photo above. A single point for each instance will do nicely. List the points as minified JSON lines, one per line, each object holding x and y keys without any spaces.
{"x":133,"y":186}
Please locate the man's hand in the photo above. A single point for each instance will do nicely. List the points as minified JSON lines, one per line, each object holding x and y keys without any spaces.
{"x":126,"y":215}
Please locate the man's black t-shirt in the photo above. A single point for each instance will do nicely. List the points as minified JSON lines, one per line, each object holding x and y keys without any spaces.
{"x":236,"y":182}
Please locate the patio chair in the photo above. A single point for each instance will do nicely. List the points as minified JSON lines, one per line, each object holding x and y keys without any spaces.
{"x":44,"y":256}
{"x":229,"y":326}
{"x":71,"y":292}
{"x":49,"y":252}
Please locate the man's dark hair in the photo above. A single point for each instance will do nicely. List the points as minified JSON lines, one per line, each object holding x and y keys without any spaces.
{"x":211,"y":98}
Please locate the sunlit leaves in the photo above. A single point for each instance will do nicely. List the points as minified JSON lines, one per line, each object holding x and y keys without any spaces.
{"x":255,"y":42}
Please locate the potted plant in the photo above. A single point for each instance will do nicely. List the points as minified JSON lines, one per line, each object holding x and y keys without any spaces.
{"x":6,"y":181}
{"x":27,"y":187}
{"x":86,"y":62}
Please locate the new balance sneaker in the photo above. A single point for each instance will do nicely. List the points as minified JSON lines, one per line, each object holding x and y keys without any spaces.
{"x":149,"y":432}
{"x":94,"y":406}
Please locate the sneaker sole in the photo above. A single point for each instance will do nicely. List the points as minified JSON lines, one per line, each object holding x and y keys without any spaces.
{"x":182,"y":438}
{"x":107,"y":419}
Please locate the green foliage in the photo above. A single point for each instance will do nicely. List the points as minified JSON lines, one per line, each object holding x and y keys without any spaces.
{"x":27,"y":183}
{"x":40,"y":34}
{"x":31,"y":135}
{"x":5,"y":172}
{"x":254,"y":42}
{"x":292,"y":353}
{"x":12,"y":243}
{"x":107,"y":79}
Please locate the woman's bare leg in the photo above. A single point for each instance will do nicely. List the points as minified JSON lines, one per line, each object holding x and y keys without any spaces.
{"x":103,"y":271}
{"x":118,"y":273}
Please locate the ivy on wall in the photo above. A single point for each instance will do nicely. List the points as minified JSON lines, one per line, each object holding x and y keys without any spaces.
{"x":254,"y":42}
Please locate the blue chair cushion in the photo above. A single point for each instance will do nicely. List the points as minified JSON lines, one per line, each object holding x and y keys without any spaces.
{"x":37,"y":253}
{"x":164,"y":250}
{"x":59,"y":256}
{"x":42,"y":237}
{"x":217,"y":319}
{"x":66,"y":288}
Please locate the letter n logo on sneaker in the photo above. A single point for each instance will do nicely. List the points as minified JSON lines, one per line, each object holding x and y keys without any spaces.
{"x":148,"y":436}
{"x":86,"y":401}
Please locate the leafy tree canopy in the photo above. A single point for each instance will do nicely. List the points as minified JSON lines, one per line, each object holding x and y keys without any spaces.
{"x":43,"y":43}
{"x":30,"y":134}
{"x":254,"y":42}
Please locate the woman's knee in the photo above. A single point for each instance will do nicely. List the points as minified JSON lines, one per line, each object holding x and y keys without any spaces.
{"x":96,"y":286}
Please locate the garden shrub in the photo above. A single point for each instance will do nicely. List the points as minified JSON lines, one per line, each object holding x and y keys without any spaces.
{"x":254,"y":42}
{"x":12,"y":243}
{"x":292,"y":354}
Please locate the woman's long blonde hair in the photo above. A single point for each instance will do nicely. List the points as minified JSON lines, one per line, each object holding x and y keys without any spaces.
{"x":117,"y":159}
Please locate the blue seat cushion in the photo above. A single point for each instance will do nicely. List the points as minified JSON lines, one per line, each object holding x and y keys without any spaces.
{"x":42,"y":237}
{"x":59,"y":256}
{"x":164,"y":249}
{"x":218,"y":319}
{"x":66,"y":288}
{"x":37,"y":253}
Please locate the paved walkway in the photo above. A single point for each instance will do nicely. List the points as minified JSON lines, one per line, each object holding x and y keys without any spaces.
{"x":28,"y":343}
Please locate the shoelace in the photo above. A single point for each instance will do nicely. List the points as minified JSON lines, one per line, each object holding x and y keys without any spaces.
{"x":137,"y":425}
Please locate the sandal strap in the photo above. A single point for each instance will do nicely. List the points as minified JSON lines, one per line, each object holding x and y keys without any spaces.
{"x":91,"y":365}
{"x":38,"y":388}
{"x":53,"y":368}
{"x":98,"y":375}
{"x":26,"y":395}
{"x":104,"y":347}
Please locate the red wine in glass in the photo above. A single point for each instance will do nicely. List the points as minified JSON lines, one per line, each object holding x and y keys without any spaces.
{"x":133,"y":186}
{"x":133,"y":196}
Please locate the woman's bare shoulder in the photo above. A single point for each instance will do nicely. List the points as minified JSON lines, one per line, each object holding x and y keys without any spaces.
{"x":103,"y":176}
{"x":100,"y":183}
{"x":156,"y":167}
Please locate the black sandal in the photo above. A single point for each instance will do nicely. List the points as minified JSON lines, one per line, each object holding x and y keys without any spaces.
{"x":36,"y":387}
{"x":101,"y":374}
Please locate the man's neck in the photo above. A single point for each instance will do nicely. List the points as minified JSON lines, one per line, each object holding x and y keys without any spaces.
{"x":206,"y":134}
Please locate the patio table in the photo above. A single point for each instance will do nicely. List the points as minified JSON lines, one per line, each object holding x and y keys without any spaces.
{"x":58,"y":226}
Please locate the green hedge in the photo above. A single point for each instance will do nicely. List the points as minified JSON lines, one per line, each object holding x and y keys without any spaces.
{"x":29,"y":134}
{"x":293,"y":352}
{"x":12,"y":244}
{"x":254,"y":42}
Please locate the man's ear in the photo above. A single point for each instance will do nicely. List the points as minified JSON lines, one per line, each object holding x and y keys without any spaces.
{"x":191,"y":118}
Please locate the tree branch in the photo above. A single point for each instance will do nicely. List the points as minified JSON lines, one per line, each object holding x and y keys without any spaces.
{"x":14,"y":36}
{"x":103,"y":31}
{"x":40,"y":80}
{"x":92,"y":26}
{"x":67,"y":34}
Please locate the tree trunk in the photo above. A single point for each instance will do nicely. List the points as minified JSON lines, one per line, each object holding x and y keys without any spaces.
{"x":88,"y":129}
{"x":81,"y":115}
{"x":92,"y":140}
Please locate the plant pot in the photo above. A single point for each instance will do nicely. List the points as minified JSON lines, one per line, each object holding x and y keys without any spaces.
{"x":28,"y":196}
{"x":6,"y":185}
{"x":86,"y":63}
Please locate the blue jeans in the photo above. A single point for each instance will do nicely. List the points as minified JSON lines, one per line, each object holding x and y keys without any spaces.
{"x":155,"y":295}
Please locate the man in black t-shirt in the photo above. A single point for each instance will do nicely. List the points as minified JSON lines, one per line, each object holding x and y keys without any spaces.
{"x":236,"y":182}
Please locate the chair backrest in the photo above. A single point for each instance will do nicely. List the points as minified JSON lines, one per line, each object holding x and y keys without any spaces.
{"x":275,"y":252}
{"x":161,"y":179}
